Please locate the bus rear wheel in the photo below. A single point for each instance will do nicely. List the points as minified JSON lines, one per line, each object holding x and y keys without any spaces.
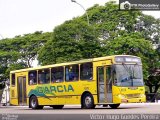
{"x":34,"y":103}
{"x":114,"y":106}
{"x":57,"y":106}
{"x":88,"y":101}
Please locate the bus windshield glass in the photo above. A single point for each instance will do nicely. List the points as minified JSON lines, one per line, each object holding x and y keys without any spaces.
{"x":128,"y":75}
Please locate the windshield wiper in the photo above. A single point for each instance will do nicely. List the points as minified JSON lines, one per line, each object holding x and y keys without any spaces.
{"x":129,"y":71}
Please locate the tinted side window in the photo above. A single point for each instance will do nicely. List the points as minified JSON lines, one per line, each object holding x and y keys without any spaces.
{"x":72,"y":72}
{"x":32,"y":77}
{"x":86,"y":71}
{"x":13,"y":79}
{"x":57,"y":74}
{"x":44,"y":76}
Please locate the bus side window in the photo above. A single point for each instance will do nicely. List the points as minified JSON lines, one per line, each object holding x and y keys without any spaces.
{"x":32,"y":78}
{"x":57,"y":74}
{"x":72,"y":72}
{"x":86,"y":71}
{"x":13,"y":79}
{"x":44,"y":76}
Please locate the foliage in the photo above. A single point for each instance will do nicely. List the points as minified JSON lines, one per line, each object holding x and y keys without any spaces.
{"x":73,"y":40}
{"x":132,"y":44}
{"x":20,"y":51}
{"x":110,"y":32}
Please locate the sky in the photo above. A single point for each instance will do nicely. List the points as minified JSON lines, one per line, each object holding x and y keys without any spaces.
{"x":18,"y":17}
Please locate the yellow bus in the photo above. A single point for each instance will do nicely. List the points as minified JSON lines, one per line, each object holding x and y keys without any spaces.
{"x":109,"y":80}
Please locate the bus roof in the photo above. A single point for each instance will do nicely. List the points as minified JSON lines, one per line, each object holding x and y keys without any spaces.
{"x":69,"y":63}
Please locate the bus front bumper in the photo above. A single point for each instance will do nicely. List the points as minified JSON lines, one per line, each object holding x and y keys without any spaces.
{"x":131,"y":100}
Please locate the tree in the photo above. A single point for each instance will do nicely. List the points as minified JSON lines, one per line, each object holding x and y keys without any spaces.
{"x":30,"y":45}
{"x":73,"y":40}
{"x":20,"y":51}
{"x":153,"y":80}
{"x":111,"y":31}
{"x":7,"y":56}
{"x":132,"y":44}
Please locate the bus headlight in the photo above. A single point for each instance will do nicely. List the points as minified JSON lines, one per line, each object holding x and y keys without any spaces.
{"x":141,"y":95}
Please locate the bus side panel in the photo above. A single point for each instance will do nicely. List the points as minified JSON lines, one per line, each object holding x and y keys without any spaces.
{"x":13,"y":97}
{"x":47,"y":101}
{"x":79,"y":88}
{"x":63,"y":93}
{"x":59,"y":100}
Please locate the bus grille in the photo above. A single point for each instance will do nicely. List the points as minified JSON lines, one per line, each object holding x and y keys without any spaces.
{"x":133,"y":95}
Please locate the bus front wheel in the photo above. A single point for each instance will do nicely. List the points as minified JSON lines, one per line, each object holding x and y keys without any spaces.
{"x":114,"y":106}
{"x":88,"y":101}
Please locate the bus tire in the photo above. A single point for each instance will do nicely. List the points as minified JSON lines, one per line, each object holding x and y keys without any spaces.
{"x":33,"y":102}
{"x":57,"y":106}
{"x":114,"y":106}
{"x":88,"y":101}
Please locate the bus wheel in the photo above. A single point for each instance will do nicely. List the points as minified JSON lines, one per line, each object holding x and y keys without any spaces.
{"x":34,"y":102}
{"x":87,"y":101}
{"x":57,"y":106}
{"x":114,"y":106}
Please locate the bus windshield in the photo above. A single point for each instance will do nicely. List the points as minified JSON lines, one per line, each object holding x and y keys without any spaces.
{"x":128,"y":75}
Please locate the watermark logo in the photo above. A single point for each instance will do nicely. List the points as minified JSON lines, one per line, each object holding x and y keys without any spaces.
{"x":9,"y":117}
{"x":125,"y":5}
{"x":124,"y":116}
{"x":139,"y":4}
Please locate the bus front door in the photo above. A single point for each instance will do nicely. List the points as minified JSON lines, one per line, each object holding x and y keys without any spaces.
{"x":101,"y":85}
{"x":104,"y":84}
{"x":21,"y":89}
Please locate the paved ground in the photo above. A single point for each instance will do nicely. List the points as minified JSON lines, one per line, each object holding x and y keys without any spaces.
{"x":75,"y":112}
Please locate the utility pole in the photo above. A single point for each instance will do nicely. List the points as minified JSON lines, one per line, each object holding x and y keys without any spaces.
{"x":83,"y":9}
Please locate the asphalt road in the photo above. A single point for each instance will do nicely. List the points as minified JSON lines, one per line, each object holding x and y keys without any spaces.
{"x":133,"y":111}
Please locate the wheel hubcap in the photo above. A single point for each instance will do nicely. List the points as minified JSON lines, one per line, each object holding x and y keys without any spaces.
{"x":33,"y":103}
{"x":88,"y":101}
